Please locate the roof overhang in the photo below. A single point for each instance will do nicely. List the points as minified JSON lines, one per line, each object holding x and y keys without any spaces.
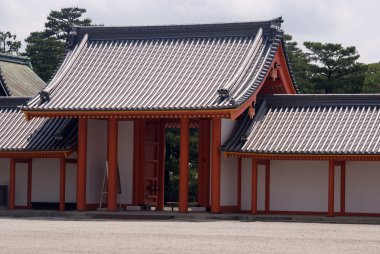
{"x":336,"y":157}
{"x":35,"y":154}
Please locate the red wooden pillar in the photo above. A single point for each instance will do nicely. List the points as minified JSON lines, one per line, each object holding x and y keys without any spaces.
{"x":184,"y":165}
{"x":82,"y":164}
{"x":29,"y":196}
{"x":254,"y":187}
{"x":62,"y":183}
{"x":215,"y":164}
{"x":112,"y":164}
{"x":12,"y":184}
{"x":343,"y":188}
{"x":330,"y":211}
{"x":267,"y":186}
{"x":204,"y":163}
{"x":239,"y":184}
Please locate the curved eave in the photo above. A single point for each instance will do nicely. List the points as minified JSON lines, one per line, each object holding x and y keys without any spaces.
{"x":296,"y":156}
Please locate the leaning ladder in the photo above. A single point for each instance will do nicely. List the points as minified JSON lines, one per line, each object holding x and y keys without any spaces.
{"x":105,"y":187}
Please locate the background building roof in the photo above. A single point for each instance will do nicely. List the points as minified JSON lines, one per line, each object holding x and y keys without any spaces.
{"x":17,"y":77}
{"x":163,"y":67}
{"x":39,"y":134}
{"x":311,"y":124}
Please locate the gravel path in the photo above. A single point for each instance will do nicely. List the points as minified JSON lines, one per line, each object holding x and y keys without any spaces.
{"x":98,"y":236}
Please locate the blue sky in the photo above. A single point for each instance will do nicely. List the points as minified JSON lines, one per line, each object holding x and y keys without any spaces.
{"x":350,"y":22}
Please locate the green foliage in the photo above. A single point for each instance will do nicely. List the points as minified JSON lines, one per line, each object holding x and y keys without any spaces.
{"x":8,"y":43}
{"x":372,"y":79}
{"x":45,"y":49}
{"x":60,"y":23}
{"x":45,"y":53}
{"x":300,"y":65}
{"x":334,"y":69}
{"x":172,"y":145}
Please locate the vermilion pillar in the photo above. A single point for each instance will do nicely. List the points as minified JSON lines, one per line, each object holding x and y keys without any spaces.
{"x":184,"y":165}
{"x":112,"y":164}
{"x":343,"y":188}
{"x":330,"y":212}
{"x":82,"y":164}
{"x":161,"y":167}
{"x":62,"y":183}
{"x":204,"y":163}
{"x":215,"y":164}
{"x":12,"y":184}
{"x":254,"y":187}
{"x":29,"y":196}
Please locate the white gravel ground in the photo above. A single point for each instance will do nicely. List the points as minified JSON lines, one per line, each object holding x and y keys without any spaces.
{"x":105,"y":236}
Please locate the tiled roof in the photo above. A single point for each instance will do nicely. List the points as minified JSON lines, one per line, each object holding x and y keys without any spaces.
{"x":17,"y":78}
{"x":163,"y":67}
{"x":39,"y":134}
{"x":311,"y":124}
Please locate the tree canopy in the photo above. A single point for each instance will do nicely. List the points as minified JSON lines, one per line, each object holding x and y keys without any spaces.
{"x":334,"y":68}
{"x":8,"y":43}
{"x":46,"y":48}
{"x":61,"y":22}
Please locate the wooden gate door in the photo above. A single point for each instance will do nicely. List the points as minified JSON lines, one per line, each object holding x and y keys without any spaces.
{"x":153,"y":164}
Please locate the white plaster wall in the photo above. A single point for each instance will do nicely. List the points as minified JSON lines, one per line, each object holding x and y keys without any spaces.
{"x":45,"y":180}
{"x":125,"y":159}
{"x":71,"y":183}
{"x":228,"y":168}
{"x":96,"y":159}
{"x":21,"y":184}
{"x":363,"y":186}
{"x":299,"y":186}
{"x":4,"y":172}
{"x":246,"y":185}
{"x":228,"y":181}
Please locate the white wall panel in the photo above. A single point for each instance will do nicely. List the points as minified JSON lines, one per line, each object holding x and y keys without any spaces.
{"x":4,"y":171}
{"x":125,"y":159}
{"x":299,"y":186}
{"x":363,"y":186}
{"x":45,"y":180}
{"x":71,"y":183}
{"x":21,"y":184}
{"x":96,"y":159}
{"x":228,"y":181}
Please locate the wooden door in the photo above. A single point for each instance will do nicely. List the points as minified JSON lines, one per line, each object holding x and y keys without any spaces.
{"x":151,"y":163}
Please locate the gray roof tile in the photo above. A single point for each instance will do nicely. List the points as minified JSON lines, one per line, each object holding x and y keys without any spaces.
{"x":39,"y":134}
{"x":311,"y":124}
{"x":163,"y":67}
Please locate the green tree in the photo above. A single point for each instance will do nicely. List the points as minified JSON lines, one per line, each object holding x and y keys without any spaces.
{"x":8,"y":43}
{"x":45,"y":49}
{"x":300,"y":65}
{"x":61,"y":22}
{"x":372,"y":79}
{"x":45,"y":53}
{"x":334,"y":69}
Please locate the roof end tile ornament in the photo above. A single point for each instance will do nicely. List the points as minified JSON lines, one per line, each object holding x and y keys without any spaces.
{"x":72,"y":38}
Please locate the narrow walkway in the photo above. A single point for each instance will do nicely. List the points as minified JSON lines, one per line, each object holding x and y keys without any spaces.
{"x":191,"y":216}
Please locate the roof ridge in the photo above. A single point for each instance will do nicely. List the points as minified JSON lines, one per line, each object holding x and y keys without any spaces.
{"x":14,"y":59}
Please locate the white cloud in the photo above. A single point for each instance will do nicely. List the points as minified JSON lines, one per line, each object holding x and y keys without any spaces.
{"x":349,"y":22}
